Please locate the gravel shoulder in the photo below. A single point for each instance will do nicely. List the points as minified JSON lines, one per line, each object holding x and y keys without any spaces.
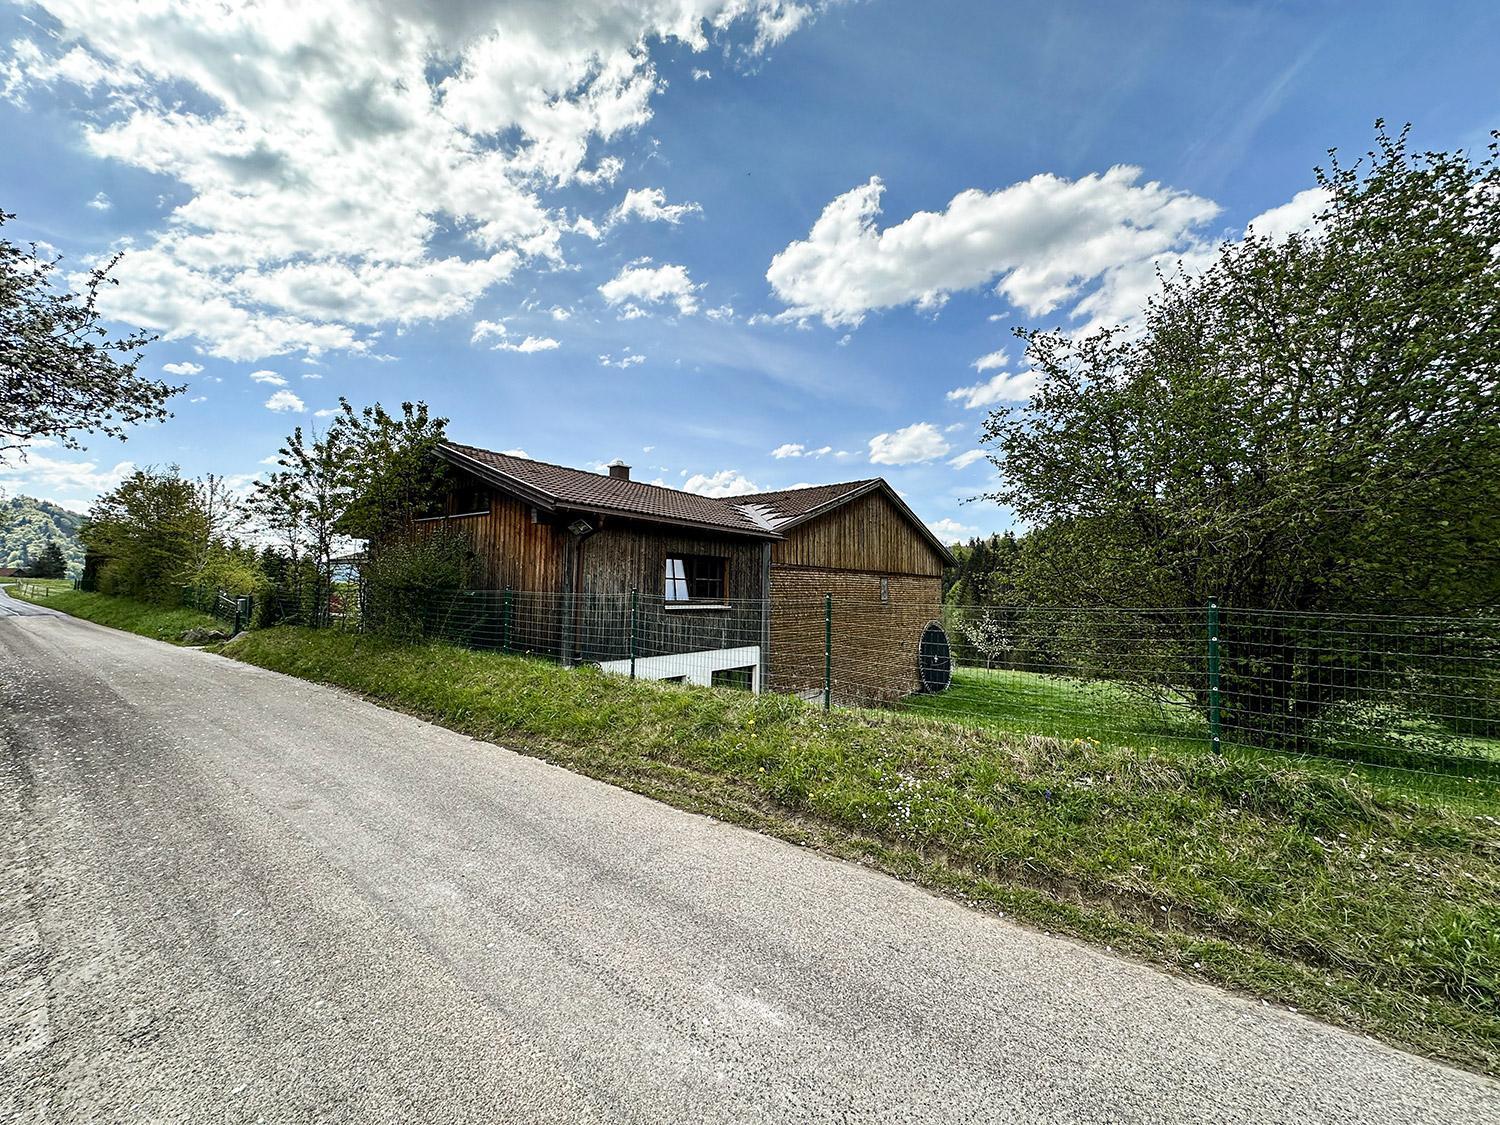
{"x":245,"y":896}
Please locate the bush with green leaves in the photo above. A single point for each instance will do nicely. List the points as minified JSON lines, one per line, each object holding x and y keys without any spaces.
{"x":412,"y":584}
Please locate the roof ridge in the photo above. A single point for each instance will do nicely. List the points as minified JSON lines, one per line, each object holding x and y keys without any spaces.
{"x":585,"y":472}
{"x":807,"y":488}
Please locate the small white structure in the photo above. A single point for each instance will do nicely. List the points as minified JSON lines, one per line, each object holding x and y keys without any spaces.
{"x":692,"y":667}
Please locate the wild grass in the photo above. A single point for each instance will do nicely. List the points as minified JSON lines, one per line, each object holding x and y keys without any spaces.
{"x":1311,"y":888}
{"x":162,"y":623}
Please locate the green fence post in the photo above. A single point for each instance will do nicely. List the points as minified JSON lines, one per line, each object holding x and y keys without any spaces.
{"x":505,"y":607}
{"x":635,"y":604}
{"x":1213,"y":673}
{"x":827,"y":650}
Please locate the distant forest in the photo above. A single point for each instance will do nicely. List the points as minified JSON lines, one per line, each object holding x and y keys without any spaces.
{"x":27,"y":523}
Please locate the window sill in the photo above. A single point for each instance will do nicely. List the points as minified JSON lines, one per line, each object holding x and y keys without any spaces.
{"x":696,"y":607}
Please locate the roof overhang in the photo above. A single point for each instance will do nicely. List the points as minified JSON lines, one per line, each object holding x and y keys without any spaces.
{"x":879,"y":484}
{"x":547,"y":502}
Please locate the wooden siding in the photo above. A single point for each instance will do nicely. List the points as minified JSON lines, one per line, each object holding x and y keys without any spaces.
{"x":514,"y":549}
{"x":621,"y":557}
{"x":869,"y":535}
{"x":875,"y":643}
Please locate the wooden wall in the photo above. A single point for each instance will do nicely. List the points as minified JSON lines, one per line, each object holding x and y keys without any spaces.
{"x":869,"y":534}
{"x":623,"y":556}
{"x":875,"y":643}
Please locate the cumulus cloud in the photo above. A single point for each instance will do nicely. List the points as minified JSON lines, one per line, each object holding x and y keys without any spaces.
{"x":100,"y":202}
{"x":991,"y":361}
{"x":726,"y":482}
{"x":650,"y":205}
{"x":920,"y":441}
{"x":184,"y":368}
{"x":1040,"y":241}
{"x":642,"y":282}
{"x":634,"y":359}
{"x":966,"y":458}
{"x":796,"y":449}
{"x":268,"y":377}
{"x":324,"y":152}
{"x":1298,"y":214}
{"x":1008,"y":386}
{"x":491,"y":329}
{"x":950,"y":530}
{"x":69,"y":483}
{"x":286,"y":402}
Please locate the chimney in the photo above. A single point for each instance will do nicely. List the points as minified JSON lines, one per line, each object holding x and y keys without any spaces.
{"x":619,"y":470}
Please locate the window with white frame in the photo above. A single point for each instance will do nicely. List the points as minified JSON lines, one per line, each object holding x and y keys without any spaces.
{"x":696,"y":578}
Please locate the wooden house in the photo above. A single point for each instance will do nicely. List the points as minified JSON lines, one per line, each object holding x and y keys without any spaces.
{"x":668,"y":584}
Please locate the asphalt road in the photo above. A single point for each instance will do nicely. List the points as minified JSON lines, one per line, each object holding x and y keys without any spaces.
{"x":234,"y":896}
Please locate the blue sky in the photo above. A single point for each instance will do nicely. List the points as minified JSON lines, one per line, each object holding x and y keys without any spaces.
{"x":738,"y":243}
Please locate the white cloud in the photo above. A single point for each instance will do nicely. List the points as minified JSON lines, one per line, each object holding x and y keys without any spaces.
{"x":918,"y":442}
{"x":966,"y":458}
{"x":796,"y":449}
{"x":991,"y":361}
{"x":326,"y":412}
{"x":311,"y":375}
{"x":322,"y":153}
{"x":516,"y":453}
{"x":1298,"y":214}
{"x":493,"y":329}
{"x":699,"y":74}
{"x":183,"y":368}
{"x":69,"y":483}
{"x":726,"y":482}
{"x":286,"y":401}
{"x":1007,"y":386}
{"x":650,"y":205}
{"x":641,"y":281}
{"x":950,"y":530}
{"x":1041,"y":241}
{"x":270,"y":378}
{"x":633,"y":360}
{"x":529,"y":345}
{"x":100,"y":202}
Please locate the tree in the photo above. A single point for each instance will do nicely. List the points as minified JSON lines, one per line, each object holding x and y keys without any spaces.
{"x":50,"y":563}
{"x":61,"y":371}
{"x":366,"y":477}
{"x":392,"y":473}
{"x":1309,"y":424}
{"x":144,"y":532}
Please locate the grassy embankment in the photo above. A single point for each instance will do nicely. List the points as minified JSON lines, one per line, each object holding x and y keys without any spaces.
{"x":1310,"y":887}
{"x":160,"y":622}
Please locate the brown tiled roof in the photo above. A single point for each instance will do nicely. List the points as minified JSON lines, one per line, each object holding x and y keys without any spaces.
{"x":762,"y":514}
{"x":793,"y":505}
{"x":552,"y":486}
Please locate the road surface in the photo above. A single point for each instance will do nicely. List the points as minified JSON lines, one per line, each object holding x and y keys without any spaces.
{"x":230,"y":895}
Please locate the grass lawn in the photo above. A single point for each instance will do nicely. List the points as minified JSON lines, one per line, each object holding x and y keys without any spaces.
{"x":162,"y":623}
{"x":1362,"y":905}
{"x":50,"y":585}
{"x":1034,"y":703}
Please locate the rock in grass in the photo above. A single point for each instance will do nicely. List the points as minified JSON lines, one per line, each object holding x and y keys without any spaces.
{"x":201,"y":636}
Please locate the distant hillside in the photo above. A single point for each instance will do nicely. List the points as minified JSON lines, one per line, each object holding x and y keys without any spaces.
{"x":25,"y":526}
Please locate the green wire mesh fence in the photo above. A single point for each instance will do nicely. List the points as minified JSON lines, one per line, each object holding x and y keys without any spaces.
{"x":1413,"y":693}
